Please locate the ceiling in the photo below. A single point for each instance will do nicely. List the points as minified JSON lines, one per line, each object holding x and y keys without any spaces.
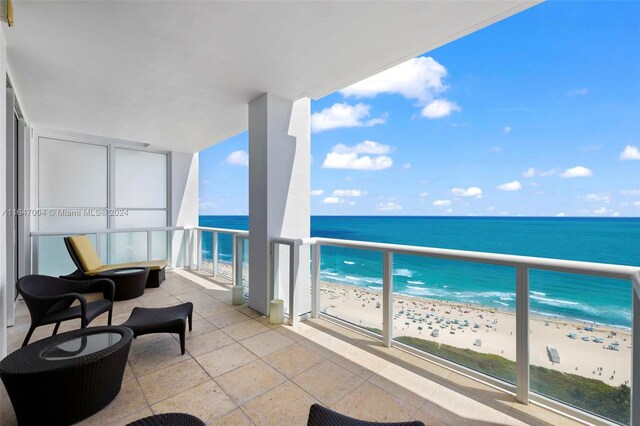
{"x":179,"y":74}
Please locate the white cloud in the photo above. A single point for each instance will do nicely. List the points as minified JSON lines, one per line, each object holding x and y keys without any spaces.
{"x":601,"y":198}
{"x":317,"y":192}
{"x":636,"y":203}
{"x":343,"y":115}
{"x":533,"y":172}
{"x":510,"y":186}
{"x":351,"y":157}
{"x":442,"y":203}
{"x":449,"y":210}
{"x":506,"y":130}
{"x":439,"y":108}
{"x":603,"y":211}
{"x":578,"y":92}
{"x":420,"y":78}
{"x":238,"y":158}
{"x":473,"y":191}
{"x":630,"y":152}
{"x":332,"y":200}
{"x":630,"y":192}
{"x":388,"y":207}
{"x":347,"y":193}
{"x":424,"y":195}
{"x":561,"y":214}
{"x":577,"y":171}
{"x":406,"y":166}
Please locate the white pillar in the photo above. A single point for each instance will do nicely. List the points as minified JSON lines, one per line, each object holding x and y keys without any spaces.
{"x":279,"y":184}
{"x":3,"y":204}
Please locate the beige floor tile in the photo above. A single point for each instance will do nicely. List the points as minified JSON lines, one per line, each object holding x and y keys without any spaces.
{"x":450,"y":406}
{"x":225,"y":359}
{"x":249,"y":381}
{"x":206,"y":401}
{"x":172,"y":380}
{"x":285,"y":404}
{"x":427,"y":419}
{"x":130,"y":400}
{"x":327,"y":382}
{"x":235,"y":418}
{"x":266,"y":343}
{"x":200,"y":326}
{"x":150,"y":341}
{"x":369,"y":402}
{"x":293,"y":360}
{"x":155,"y":359}
{"x":214,"y":308}
{"x":128,"y":374}
{"x":405,"y":384}
{"x":226,"y":319}
{"x":245,"y":309}
{"x":145,"y":412}
{"x":245,"y":330}
{"x":207,"y":342}
{"x":7,"y":415}
{"x":536,"y":415}
{"x":298,"y":332}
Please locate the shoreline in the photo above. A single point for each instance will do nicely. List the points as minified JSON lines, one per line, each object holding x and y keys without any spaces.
{"x":463,"y":324}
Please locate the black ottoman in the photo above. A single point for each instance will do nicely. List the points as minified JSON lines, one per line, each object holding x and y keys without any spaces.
{"x":130,"y":282}
{"x":172,"y":319}
{"x":169,"y":419}
{"x":66,"y":378}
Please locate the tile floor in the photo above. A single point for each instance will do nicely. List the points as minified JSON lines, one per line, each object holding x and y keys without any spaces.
{"x":241,"y":370}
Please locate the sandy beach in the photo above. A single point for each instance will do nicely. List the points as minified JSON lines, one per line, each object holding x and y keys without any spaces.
{"x":462,"y":325}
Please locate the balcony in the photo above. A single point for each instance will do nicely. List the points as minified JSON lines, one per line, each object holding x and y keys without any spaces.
{"x":240,"y":369}
{"x":366,"y":332}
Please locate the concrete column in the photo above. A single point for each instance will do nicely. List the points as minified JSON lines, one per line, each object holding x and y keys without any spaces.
{"x":279,"y":184}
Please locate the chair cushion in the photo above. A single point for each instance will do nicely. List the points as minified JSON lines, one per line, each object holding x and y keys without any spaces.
{"x":153,"y":265}
{"x":86,"y":253}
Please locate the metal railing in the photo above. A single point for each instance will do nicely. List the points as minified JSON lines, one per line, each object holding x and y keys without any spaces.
{"x":237,"y":250}
{"x":522,"y":265}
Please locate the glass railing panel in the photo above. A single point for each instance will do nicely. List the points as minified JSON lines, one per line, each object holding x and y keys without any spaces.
{"x":225,"y":255}
{"x":245,"y":267}
{"x":159,"y":245}
{"x":206,"y":262}
{"x":581,"y":342}
{"x":128,"y":247}
{"x":463,"y":312}
{"x":351,"y":286}
{"x":53,"y":257}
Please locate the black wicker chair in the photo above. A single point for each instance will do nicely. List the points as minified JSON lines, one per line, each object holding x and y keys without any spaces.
{"x":322,"y":416}
{"x":49,"y":300}
{"x":169,"y":419}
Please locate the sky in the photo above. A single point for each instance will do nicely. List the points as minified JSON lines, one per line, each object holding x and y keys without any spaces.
{"x":536,"y":115}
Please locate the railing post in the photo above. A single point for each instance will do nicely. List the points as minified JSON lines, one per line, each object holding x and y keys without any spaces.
{"x":99,"y":245}
{"x":35,"y":252}
{"x":238,"y":288}
{"x":214,"y":250}
{"x":522,"y":335}
{"x":294,"y":256}
{"x":387,"y":299}
{"x":315,"y":280}
{"x":199,"y":249}
{"x":149,"y":245}
{"x":635,"y":351}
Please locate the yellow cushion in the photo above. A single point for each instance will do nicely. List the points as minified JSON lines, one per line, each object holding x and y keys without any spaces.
{"x":153,"y":264}
{"x":83,"y":247}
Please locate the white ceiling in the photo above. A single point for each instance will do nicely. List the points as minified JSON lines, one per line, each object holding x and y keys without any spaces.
{"x":179,"y":75}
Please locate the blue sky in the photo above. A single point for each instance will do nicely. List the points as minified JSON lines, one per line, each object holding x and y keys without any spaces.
{"x":537,"y":115}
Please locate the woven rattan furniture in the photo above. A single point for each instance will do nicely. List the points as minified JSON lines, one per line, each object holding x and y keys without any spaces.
{"x":169,"y":419}
{"x":63,"y":379}
{"x":49,"y":300}
{"x":322,"y":416}
{"x":130,"y":282}
{"x":172,"y":319}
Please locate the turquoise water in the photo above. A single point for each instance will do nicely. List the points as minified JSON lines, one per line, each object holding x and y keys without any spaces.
{"x":570,"y":296}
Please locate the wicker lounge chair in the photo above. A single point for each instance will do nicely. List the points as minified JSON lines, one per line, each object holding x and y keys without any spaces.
{"x":49,"y":300}
{"x":89,"y":264}
{"x":169,"y":419}
{"x":322,"y":416}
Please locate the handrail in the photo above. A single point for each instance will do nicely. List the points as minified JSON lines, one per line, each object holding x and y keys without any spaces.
{"x":241,"y":232}
{"x":107,"y":231}
{"x":516,"y":261}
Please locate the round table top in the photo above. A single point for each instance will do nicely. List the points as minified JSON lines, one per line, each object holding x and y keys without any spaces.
{"x":67,"y":350}
{"x":82,"y":345}
{"x":123,"y":271}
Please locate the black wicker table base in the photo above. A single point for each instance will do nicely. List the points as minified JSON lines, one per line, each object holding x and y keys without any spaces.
{"x":66,"y":378}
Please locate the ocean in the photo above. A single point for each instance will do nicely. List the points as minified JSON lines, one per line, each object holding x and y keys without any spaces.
{"x":575,"y":297}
